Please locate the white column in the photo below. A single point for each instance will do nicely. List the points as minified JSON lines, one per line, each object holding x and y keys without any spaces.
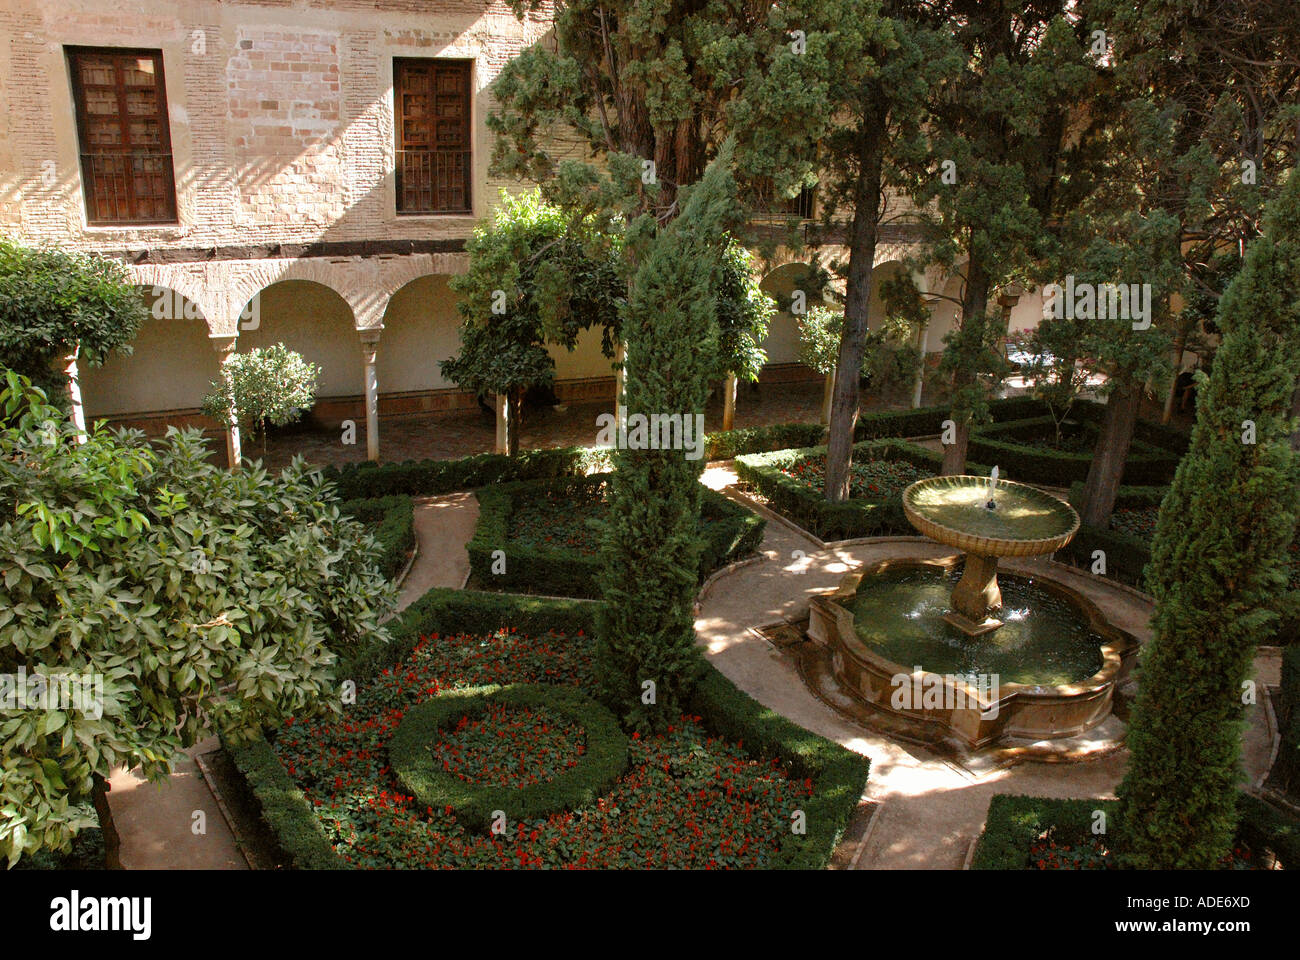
{"x":729,"y":402}
{"x":369,"y":353}
{"x":226,"y":347}
{"x":74,"y":392}
{"x":503,"y":425}
{"x":620,"y":385}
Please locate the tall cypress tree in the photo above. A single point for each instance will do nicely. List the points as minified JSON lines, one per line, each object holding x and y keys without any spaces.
{"x":646,"y":626}
{"x":1218,"y":566}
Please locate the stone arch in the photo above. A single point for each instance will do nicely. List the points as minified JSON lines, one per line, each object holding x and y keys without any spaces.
{"x":171,"y":364}
{"x":782,"y":341}
{"x":315,"y":319}
{"x":420,"y":327}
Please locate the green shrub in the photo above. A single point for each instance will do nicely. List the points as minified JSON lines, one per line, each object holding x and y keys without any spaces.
{"x":284,"y":808}
{"x":391,"y":521}
{"x":600,"y":766}
{"x":728,"y":531}
{"x":839,"y":775}
{"x":998,"y":443}
{"x":1014,"y":823}
{"x":434,"y":477}
{"x":808,"y":507}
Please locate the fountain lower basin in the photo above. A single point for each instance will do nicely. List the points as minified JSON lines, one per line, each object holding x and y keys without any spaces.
{"x":937,"y":705}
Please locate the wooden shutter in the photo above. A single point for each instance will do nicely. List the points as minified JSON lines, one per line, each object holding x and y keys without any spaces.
{"x":433,"y":135}
{"x":126,"y":154}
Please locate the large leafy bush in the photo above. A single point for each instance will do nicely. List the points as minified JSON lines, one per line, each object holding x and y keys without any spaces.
{"x":202,"y":599}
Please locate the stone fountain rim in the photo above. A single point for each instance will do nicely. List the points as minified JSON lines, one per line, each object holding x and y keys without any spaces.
{"x":1117,"y":640}
{"x":987,"y":546}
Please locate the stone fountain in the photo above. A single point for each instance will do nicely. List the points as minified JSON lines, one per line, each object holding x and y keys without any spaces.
{"x":910,"y":622}
{"x":987,"y":520}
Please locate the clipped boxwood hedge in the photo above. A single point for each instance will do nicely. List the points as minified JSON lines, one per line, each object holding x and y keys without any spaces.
{"x":839,"y":775}
{"x":729,"y":531}
{"x":596,"y":771}
{"x":391,"y":520}
{"x":857,"y":517}
{"x":1015,"y":822}
{"x":999,"y":443}
{"x":434,"y":477}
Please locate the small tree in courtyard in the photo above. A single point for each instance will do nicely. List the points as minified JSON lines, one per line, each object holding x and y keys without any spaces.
{"x":1218,"y":569}
{"x":535,"y":278}
{"x":271,"y":385}
{"x":647,"y":653}
{"x":54,"y":303}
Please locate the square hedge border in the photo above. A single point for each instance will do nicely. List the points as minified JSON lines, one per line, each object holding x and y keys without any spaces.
{"x":808,"y":508}
{"x":1014,"y":822}
{"x":996,"y":443}
{"x":561,"y":571}
{"x":435,"y":477}
{"x":391,"y":520}
{"x":839,"y":775}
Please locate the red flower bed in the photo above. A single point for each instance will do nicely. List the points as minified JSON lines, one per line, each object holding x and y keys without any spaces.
{"x":688,"y":799}
{"x":510,"y":746}
{"x":869,"y":480}
{"x":1093,"y":854}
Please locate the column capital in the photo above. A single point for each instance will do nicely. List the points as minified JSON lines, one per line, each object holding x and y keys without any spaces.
{"x":224,"y":344}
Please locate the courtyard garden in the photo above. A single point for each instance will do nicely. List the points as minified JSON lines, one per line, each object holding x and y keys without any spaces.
{"x":976,"y":613}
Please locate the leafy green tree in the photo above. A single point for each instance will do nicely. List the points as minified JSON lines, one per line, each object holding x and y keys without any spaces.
{"x":744,"y":313}
{"x":1218,"y":567}
{"x":881,"y":59}
{"x":53,"y":303}
{"x":650,"y":548}
{"x":1057,"y":375}
{"x":996,"y":170}
{"x":196,"y":600}
{"x":271,"y":385}
{"x":535,"y":277}
{"x":1205,"y":132}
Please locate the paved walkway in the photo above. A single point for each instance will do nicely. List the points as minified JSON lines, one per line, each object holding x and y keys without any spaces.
{"x":156,"y":822}
{"x":932,"y":809}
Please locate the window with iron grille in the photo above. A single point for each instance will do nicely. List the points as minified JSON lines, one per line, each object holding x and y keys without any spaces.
{"x":126,"y":149}
{"x":432,"y":102}
{"x":769,"y":206}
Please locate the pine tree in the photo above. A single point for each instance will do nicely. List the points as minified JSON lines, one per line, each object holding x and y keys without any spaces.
{"x":1218,"y":566}
{"x":646,"y":625}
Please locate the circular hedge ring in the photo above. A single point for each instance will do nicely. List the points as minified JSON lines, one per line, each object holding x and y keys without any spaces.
{"x":411,"y":756}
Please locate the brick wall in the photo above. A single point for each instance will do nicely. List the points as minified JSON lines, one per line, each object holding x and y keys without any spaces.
{"x":281,"y":114}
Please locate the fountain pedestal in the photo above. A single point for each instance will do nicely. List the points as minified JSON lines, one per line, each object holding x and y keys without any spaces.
{"x":976,"y":596}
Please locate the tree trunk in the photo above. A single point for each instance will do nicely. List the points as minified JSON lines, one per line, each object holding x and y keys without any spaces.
{"x":1172,"y":396}
{"x":1107,"y":468}
{"x":974,"y":305}
{"x":514,"y":420}
{"x":954,"y":454}
{"x":112,"y":842}
{"x":853,"y":339}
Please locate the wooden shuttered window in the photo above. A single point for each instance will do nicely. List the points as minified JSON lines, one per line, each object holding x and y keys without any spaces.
{"x":125,"y":143}
{"x":432,"y":102}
